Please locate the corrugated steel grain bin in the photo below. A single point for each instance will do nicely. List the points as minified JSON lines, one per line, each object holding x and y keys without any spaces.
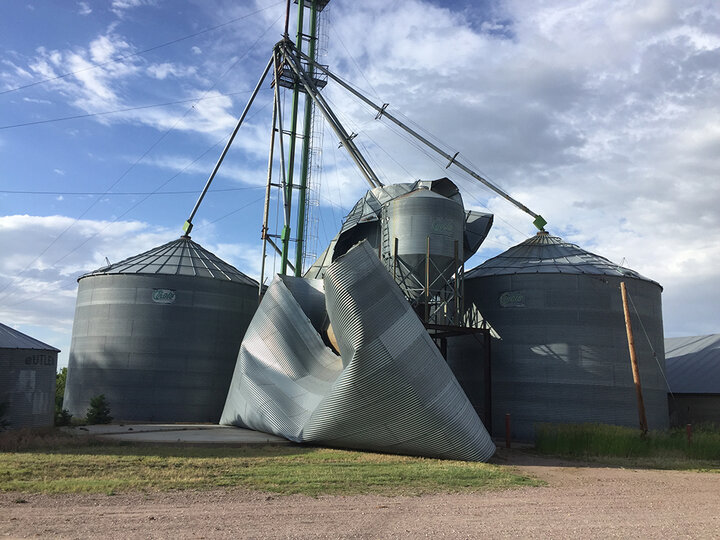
{"x":562,"y":356}
{"x":158,"y":334}
{"x":27,"y":379}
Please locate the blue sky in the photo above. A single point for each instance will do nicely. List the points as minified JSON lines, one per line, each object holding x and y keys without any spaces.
{"x":604,"y":121}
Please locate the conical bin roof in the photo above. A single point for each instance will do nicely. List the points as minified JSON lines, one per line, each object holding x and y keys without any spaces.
{"x":546,"y":254}
{"x":181,"y":257}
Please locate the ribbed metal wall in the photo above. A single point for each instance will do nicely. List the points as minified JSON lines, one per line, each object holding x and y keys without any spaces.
{"x":421,"y":215}
{"x":27,"y":386}
{"x":563,"y":354}
{"x":389,"y":389}
{"x":466,"y":357}
{"x":161,"y":347}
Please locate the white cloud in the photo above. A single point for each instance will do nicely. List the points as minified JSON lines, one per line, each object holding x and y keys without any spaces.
{"x":39,"y":101}
{"x":39,"y":294}
{"x":84,"y":8}
{"x":252,"y":177}
{"x":196,"y":49}
{"x":604,"y":121}
{"x":120,"y":7}
{"x":94,"y":89}
{"x":162,"y":71}
{"x":59,"y":172}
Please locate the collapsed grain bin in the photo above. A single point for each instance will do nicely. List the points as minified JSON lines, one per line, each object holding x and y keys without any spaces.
{"x":562,"y":353}
{"x":27,"y":380}
{"x":158,"y":334}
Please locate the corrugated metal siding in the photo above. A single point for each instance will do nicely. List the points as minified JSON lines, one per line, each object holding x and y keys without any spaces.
{"x":27,"y":385}
{"x":165,"y":362}
{"x":466,"y":359}
{"x":390,"y":390}
{"x":563,"y":354}
{"x":693,"y":364}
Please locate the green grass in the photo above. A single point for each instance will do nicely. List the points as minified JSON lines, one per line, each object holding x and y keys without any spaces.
{"x":663,"y":449}
{"x":57,"y":463}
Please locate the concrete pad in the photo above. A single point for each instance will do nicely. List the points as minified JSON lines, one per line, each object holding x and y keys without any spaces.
{"x":179,"y":433}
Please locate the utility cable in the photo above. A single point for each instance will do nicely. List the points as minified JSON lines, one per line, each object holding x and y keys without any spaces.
{"x":357,"y":66}
{"x":647,"y":337}
{"x":105,"y":194}
{"x":127,"y":171}
{"x":140,"y":107}
{"x":238,"y":209}
{"x":441,"y":166}
{"x":139,"y":53}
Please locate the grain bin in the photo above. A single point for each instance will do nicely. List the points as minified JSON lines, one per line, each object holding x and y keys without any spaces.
{"x":562,"y":356}
{"x":399,"y":221}
{"x":158,"y":334}
{"x":423,"y":222}
{"x":27,"y":380}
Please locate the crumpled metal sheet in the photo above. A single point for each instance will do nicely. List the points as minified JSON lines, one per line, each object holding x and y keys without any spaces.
{"x":389,"y":390}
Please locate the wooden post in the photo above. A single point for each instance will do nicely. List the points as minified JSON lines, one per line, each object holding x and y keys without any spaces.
{"x":633,"y":361}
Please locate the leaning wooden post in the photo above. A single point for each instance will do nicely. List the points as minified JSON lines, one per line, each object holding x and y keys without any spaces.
{"x":633,"y":361}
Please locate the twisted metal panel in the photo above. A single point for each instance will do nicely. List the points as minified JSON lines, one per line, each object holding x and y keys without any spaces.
{"x":389,"y":389}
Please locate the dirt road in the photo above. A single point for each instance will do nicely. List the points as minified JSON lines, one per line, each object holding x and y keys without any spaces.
{"x":579,"y":502}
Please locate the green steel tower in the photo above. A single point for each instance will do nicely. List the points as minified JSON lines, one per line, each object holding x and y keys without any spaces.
{"x":306,"y":33}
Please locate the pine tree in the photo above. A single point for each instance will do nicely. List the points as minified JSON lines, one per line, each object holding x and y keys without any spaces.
{"x":99,"y":411}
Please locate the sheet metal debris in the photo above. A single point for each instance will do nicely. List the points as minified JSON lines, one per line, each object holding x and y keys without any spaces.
{"x":387,"y":390}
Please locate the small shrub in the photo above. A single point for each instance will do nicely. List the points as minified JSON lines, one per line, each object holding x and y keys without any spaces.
{"x":99,"y":411}
{"x":62,"y":417}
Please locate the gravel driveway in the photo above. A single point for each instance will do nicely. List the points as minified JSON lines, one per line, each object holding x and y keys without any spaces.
{"x":579,"y":502}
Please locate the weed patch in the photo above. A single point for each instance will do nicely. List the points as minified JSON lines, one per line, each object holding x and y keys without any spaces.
{"x":665,"y":449}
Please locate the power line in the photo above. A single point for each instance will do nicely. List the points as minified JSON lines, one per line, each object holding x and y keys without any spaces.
{"x":125,"y":57}
{"x":139,"y":107}
{"x":152,"y":146}
{"x":106,"y":194}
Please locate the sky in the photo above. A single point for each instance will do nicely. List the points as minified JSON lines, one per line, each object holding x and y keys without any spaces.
{"x":605,"y":120}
